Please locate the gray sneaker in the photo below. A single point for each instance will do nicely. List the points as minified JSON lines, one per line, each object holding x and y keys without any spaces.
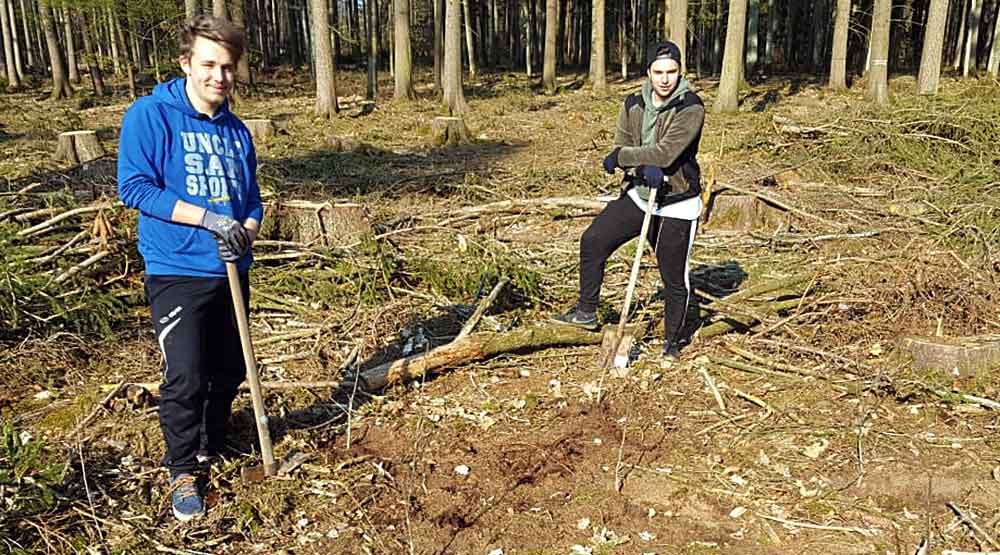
{"x":575,"y":317}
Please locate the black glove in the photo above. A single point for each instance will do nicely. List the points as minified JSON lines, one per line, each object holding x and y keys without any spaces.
{"x":611,"y":161}
{"x":652,"y":176}
{"x":232,"y":237}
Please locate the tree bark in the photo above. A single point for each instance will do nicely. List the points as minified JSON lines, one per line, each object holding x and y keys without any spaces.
{"x":972,"y":41}
{"x":8,"y":47}
{"x":60,"y":84}
{"x":438,"y":44}
{"x":993,"y":65}
{"x":598,"y":67}
{"x":29,"y":45}
{"x":12,"y":13}
{"x":372,"y":48}
{"x":678,"y":28}
{"x":326,"y":85}
{"x":930,"y":58}
{"x":960,"y":36}
{"x":239,"y":19}
{"x":753,"y":17}
{"x":219,"y":8}
{"x":732,"y":61}
{"x":96,"y":79}
{"x":469,"y":43}
{"x":878,"y":73}
{"x":549,"y":58}
{"x":190,"y":8}
{"x":838,"y":60}
{"x":403,"y":54}
{"x":454,"y":97}
{"x":71,"y":66}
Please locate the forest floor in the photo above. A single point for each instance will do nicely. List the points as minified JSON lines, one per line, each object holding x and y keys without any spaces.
{"x":807,"y":429}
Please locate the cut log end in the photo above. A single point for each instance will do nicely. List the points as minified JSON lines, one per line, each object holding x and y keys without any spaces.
{"x":742,"y":213}
{"x":77,"y":147}
{"x":449,"y":131}
{"x":260,"y":129}
{"x":960,"y":357}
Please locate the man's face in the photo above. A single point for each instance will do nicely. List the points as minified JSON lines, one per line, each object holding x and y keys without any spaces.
{"x":663,"y":75}
{"x":210,"y":69}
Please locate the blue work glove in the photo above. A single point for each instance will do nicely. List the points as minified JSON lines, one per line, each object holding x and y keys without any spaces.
{"x":652,"y":176}
{"x":232,"y":237}
{"x":611,"y":161}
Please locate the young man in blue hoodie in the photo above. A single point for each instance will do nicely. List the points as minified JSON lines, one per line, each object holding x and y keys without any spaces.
{"x":656,"y":138}
{"x":188,"y":165}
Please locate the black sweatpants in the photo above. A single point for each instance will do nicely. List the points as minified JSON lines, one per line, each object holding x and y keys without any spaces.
{"x":620,"y":221}
{"x":195,"y":325}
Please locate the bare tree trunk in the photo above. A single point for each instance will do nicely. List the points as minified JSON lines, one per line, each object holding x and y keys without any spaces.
{"x":678,"y":28}
{"x":190,"y":8}
{"x":28,"y":43}
{"x":71,"y":65}
{"x":732,"y":61}
{"x":960,"y":37}
{"x":438,"y":44}
{"x":549,"y":56}
{"x":598,"y":68}
{"x":96,"y":79}
{"x":753,"y":15}
{"x":838,"y":60}
{"x":326,"y":85}
{"x":404,"y":54}
{"x":239,"y":19}
{"x":372,"y":41}
{"x":454,"y":97}
{"x":8,"y":47}
{"x":60,"y":84}
{"x":219,"y":8}
{"x":930,"y":59}
{"x":993,"y":65}
{"x":878,"y":74}
{"x":13,"y":35}
{"x":469,"y":45}
{"x":666,"y":20}
{"x":972,"y":41}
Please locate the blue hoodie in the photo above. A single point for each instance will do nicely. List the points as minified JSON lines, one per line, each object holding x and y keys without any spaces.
{"x":169,"y":152}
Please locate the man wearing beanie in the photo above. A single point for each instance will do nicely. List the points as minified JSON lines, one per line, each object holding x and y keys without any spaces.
{"x":656,"y":143}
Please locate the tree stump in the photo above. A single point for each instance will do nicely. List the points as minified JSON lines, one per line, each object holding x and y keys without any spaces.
{"x":742,"y":213}
{"x":449,"y":131}
{"x":260,"y":129}
{"x":77,"y":147}
{"x":328,"y":224}
{"x":961,"y":357}
{"x":347,"y":144}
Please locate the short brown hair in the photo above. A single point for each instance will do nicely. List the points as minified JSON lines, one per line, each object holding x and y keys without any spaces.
{"x":216,"y":29}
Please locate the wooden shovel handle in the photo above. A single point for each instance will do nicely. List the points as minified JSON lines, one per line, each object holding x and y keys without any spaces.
{"x":259,"y":413}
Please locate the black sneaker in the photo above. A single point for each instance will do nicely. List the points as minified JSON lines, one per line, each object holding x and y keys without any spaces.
{"x":671,"y":351}
{"x":575,"y":317}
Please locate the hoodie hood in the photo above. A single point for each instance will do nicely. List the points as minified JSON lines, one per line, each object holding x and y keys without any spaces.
{"x":652,"y":112}
{"x":173,"y":94}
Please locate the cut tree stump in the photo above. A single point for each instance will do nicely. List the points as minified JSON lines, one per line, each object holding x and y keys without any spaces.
{"x":449,"y":131}
{"x":961,"y":357}
{"x":473,"y":347}
{"x":742,"y":213}
{"x":260,"y":129}
{"x":77,"y":147}
{"x":329,"y":224}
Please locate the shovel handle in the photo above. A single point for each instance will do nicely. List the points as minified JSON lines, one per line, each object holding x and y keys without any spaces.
{"x":259,"y":413}
{"x":633,"y":276}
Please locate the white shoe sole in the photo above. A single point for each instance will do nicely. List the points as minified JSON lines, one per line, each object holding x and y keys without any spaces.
{"x":187,"y":517}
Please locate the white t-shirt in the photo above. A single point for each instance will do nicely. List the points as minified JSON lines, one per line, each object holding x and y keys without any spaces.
{"x":687,"y":209}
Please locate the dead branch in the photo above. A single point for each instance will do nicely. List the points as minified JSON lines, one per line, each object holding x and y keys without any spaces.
{"x":51,"y":222}
{"x":94,"y":259}
{"x":971,"y":522}
{"x":481,"y":309}
{"x":588,"y":205}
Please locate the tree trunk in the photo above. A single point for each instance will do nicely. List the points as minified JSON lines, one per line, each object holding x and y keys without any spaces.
{"x":598,"y":70}
{"x":878,"y":74}
{"x":454,"y":97}
{"x":732,"y":61}
{"x":71,"y":65}
{"x":438,"y":44}
{"x":12,"y":13}
{"x":60,"y":84}
{"x":838,"y":60}
{"x":372,"y":41}
{"x":190,"y":8}
{"x":930,"y":59}
{"x":29,"y":47}
{"x":8,"y":47}
{"x":549,"y":61}
{"x":993,"y":64}
{"x":113,"y":39}
{"x":219,"y":8}
{"x":326,"y":85}
{"x":469,"y":44}
{"x":678,"y":28}
{"x":972,"y":41}
{"x":96,"y":79}
{"x":960,"y":36}
{"x":239,"y":20}
{"x":753,"y":16}
{"x":404,"y":56}
{"x":772,"y":31}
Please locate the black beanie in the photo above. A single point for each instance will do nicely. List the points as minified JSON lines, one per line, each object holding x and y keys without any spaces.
{"x":665,"y":50}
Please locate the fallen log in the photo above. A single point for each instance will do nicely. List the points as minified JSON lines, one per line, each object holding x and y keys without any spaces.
{"x":588,"y":206}
{"x":473,"y":347}
{"x":154,"y":387}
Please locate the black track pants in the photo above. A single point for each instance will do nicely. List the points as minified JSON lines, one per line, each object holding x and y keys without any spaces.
{"x":196,"y":328}
{"x":620,"y":221}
